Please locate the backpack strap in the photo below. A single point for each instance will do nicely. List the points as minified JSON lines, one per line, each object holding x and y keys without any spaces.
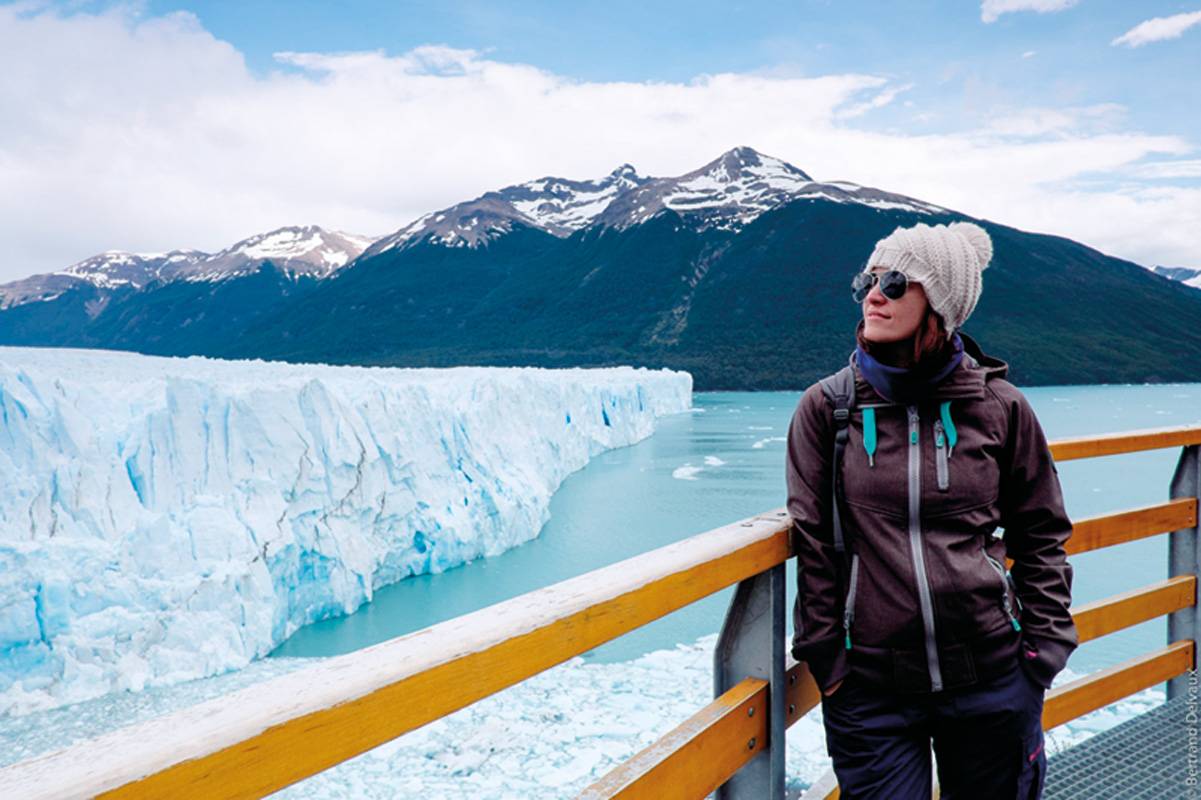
{"x":840,"y":389}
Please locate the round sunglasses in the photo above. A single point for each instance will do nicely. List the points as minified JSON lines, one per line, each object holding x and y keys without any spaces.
{"x":893,"y":284}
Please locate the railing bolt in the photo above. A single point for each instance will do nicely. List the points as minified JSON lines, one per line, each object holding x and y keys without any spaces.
{"x":750,"y":712}
{"x":792,"y":708}
{"x":792,"y":679}
{"x":751,"y":744}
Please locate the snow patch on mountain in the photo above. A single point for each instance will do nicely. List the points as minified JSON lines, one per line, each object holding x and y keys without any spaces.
{"x":1186,"y":275}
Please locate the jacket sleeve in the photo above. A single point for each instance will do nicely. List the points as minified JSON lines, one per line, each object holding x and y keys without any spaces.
{"x":1036,"y":530}
{"x":817,"y":615}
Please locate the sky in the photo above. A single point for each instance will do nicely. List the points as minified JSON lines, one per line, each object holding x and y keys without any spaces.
{"x":149,"y":126}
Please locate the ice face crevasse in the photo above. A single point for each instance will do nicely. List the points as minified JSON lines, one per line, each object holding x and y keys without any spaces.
{"x":168,"y":519}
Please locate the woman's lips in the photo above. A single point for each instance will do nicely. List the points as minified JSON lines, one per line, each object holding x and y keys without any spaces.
{"x":876,"y":316}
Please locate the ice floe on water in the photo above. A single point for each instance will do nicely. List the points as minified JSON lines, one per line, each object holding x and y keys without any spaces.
{"x":687,"y":472}
{"x":759,"y":445}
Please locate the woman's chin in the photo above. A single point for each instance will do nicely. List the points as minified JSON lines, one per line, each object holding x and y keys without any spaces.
{"x":879,"y":331}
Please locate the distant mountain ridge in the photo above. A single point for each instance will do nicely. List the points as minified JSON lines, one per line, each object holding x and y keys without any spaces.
{"x":306,"y":250}
{"x":738,"y":272}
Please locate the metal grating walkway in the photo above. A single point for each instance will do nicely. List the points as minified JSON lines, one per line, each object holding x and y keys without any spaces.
{"x":1143,"y":757}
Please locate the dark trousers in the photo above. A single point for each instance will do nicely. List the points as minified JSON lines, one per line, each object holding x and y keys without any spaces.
{"x":988,"y":740}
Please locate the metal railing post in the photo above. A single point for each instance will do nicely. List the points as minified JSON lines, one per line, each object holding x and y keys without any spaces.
{"x":1184,"y":558}
{"x":751,"y":645}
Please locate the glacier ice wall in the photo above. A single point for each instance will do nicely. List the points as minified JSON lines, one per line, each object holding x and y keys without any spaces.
{"x":163,"y":519}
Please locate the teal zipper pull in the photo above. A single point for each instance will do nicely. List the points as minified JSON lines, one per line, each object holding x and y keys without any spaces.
{"x":869,"y":435}
{"x":944,"y":411}
{"x":1017,"y":626}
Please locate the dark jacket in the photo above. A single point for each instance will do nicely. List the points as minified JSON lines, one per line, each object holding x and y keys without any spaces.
{"x":931,"y":606}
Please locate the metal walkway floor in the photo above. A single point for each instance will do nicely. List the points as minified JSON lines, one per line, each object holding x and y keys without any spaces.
{"x":1143,"y":757}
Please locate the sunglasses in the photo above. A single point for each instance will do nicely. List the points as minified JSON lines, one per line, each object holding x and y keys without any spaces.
{"x":893,"y":284}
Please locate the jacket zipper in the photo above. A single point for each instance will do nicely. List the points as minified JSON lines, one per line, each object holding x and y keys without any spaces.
{"x":848,"y":613}
{"x":1014,"y":586}
{"x":915,"y":545}
{"x":940,"y":453}
{"x":1005,"y":581}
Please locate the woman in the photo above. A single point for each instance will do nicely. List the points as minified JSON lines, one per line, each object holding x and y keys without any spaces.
{"x":915,"y":632}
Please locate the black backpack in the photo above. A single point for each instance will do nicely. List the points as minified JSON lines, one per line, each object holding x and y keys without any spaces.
{"x":840,"y":389}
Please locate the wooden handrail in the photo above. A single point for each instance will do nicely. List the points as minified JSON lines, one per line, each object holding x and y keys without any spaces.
{"x":1136,"y":606}
{"x":1106,"y":530}
{"x":268,"y":736}
{"x":1092,"y":620}
{"x":801,"y":692}
{"x":264,"y":738}
{"x":1108,"y":444}
{"x":698,"y":755}
{"x":1099,"y":689}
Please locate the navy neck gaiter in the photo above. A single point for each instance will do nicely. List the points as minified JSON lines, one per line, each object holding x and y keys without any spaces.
{"x":907,"y":385}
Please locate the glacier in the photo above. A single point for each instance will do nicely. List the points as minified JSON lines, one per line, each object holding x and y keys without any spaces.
{"x":165,"y":519}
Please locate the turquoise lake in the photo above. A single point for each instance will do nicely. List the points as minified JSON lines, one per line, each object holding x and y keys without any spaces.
{"x":724,"y":461}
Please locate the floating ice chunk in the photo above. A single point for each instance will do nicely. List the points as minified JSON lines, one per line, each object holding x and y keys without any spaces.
{"x":686,"y":472}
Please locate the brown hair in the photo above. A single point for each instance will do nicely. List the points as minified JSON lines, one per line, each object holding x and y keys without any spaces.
{"x":931,"y":345}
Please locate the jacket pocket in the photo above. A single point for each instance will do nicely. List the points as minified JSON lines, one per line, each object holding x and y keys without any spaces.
{"x":1005,"y":581}
{"x":940,"y":456}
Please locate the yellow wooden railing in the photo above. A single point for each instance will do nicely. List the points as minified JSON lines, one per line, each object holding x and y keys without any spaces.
{"x":273,"y":734}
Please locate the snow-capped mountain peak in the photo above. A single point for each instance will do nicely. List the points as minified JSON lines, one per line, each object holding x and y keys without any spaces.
{"x":727,"y":193}
{"x":561,"y":206}
{"x":1186,"y":275}
{"x":306,"y":250}
{"x":114,"y":268}
{"x":556,"y":205}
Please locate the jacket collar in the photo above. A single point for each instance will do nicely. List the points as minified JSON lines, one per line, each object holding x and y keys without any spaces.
{"x":966,"y":381}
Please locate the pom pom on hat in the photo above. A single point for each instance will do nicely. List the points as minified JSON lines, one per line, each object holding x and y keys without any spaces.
{"x":978,"y":238}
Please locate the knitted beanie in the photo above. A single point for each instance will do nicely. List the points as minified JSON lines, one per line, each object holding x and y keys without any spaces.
{"x":947,"y":260}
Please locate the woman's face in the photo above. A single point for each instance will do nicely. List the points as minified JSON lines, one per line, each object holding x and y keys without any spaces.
{"x":887,"y":320}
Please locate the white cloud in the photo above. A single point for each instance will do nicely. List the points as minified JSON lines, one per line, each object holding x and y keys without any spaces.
{"x":1067,"y":121}
{"x":1158,"y":29}
{"x":148,"y":134}
{"x":1030,"y":54}
{"x":1156,"y":170}
{"x":991,"y":10}
{"x":881,"y":99}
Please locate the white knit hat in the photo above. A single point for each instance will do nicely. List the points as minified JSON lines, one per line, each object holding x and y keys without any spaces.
{"x":947,"y":260}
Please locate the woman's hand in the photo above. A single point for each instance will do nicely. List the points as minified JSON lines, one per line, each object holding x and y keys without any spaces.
{"x":833,"y":689}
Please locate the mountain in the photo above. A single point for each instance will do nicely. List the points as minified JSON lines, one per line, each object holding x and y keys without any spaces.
{"x":738,"y":272}
{"x":116,"y":299}
{"x":555,"y":205}
{"x":1187,"y":276}
{"x":728,"y":193}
